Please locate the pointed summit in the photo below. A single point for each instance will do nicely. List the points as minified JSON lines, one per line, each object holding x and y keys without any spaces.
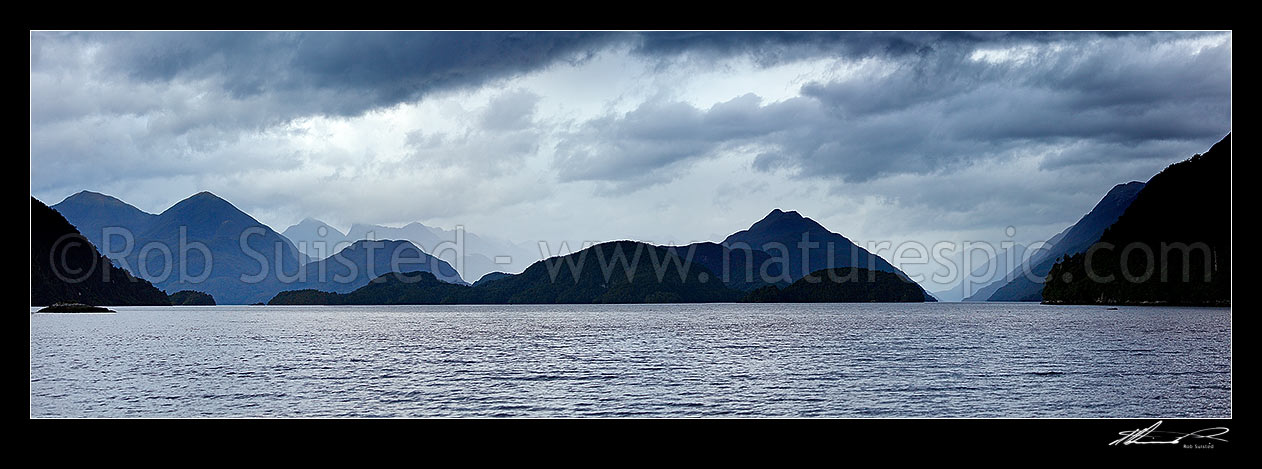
{"x":205,"y":205}
{"x":781,"y":234}
{"x":205,"y":197}
{"x":779,"y":225}
{"x":782,"y":231}
{"x":225,"y":230}
{"x":778,"y":215}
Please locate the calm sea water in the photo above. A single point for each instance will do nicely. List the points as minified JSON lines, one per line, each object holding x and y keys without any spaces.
{"x":843,"y":360}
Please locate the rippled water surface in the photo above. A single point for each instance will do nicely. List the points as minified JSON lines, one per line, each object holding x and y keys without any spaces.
{"x":844,"y":360}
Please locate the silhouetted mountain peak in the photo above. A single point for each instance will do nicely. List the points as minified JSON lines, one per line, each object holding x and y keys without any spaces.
{"x":206,"y":204}
{"x":780,"y":221}
{"x":203,"y":197}
{"x":208,"y":198}
{"x":89,"y":198}
{"x":89,"y":195}
{"x":92,"y":212}
{"x":789,"y":214}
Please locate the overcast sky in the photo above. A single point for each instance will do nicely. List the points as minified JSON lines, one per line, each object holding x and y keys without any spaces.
{"x":665,"y":137}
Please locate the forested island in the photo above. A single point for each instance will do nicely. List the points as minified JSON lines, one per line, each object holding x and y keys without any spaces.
{"x":581,"y":278}
{"x":191,"y":298}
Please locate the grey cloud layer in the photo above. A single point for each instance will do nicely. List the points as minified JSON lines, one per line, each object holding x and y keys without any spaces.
{"x":1077,"y":102}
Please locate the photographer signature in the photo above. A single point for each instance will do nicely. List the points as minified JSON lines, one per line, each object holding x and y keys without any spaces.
{"x":1147,"y":436}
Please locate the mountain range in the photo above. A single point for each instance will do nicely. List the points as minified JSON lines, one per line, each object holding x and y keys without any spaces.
{"x":482,"y":254}
{"x":206,"y":223}
{"x":986,"y":275}
{"x":250,"y":263}
{"x":636,"y":272}
{"x":169,"y":248}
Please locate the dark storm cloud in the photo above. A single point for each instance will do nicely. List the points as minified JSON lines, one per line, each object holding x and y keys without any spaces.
{"x":346,"y":73}
{"x":774,"y":47}
{"x":769,"y":48}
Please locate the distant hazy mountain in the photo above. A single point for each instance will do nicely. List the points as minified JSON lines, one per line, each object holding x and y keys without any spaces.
{"x":986,"y":274}
{"x":481,"y":252}
{"x":1018,"y":286}
{"x":1005,"y":262}
{"x":92,"y":213}
{"x":66,"y":267}
{"x":478,"y":252}
{"x":780,"y":233}
{"x":843,"y":285}
{"x":1182,"y":219}
{"x":316,"y":239}
{"x":1041,"y":253}
{"x":362,"y":261}
{"x":205,"y":220}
